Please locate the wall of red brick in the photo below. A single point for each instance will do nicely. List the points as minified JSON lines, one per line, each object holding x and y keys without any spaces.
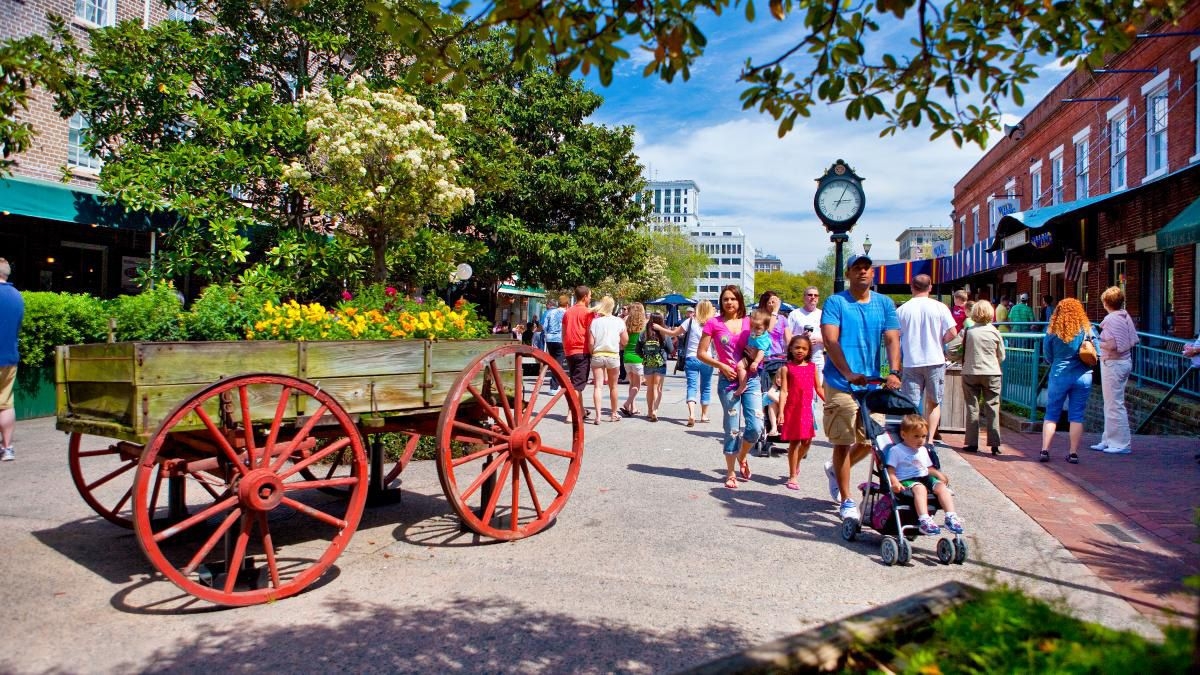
{"x":1120,"y":222}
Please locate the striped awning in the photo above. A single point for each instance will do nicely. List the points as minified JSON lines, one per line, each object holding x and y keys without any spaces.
{"x":969,"y":262}
{"x":903,"y":272}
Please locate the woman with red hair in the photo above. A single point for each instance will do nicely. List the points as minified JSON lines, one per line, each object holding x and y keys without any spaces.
{"x":1070,"y":380}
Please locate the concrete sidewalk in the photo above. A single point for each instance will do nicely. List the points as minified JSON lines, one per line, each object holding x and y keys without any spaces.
{"x":1129,"y":518}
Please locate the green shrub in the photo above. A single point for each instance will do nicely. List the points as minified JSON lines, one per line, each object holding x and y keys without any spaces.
{"x":224,"y":312}
{"x":150,"y":316}
{"x":53,"y":319}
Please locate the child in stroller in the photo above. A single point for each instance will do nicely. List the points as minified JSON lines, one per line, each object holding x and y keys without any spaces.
{"x":902,"y":496}
{"x":771,"y":370}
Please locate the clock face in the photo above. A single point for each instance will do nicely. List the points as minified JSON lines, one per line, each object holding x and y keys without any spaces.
{"x":840,"y":201}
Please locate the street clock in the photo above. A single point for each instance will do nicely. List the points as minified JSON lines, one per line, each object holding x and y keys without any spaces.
{"x":840,"y":200}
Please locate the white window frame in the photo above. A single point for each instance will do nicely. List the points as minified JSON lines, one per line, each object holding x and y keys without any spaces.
{"x":182,"y":10}
{"x":109,"y":7}
{"x":1157,"y":144}
{"x":1118,"y":147}
{"x":1035,"y":185}
{"x":78,"y":158}
{"x":974,"y":228}
{"x":1082,"y":162}
{"x":1056,"y":175}
{"x":962,"y":233}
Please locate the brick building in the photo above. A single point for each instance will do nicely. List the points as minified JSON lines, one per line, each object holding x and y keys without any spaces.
{"x":1096,"y":186}
{"x":60,"y":236}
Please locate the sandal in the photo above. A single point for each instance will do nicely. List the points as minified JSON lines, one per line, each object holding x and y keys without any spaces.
{"x":614,"y":418}
{"x":1044,"y":457}
{"x":746,"y":470}
{"x":653,"y":417}
{"x":691,"y":422}
{"x":703,"y":420}
{"x":731,"y":483}
{"x":1072,"y":458}
{"x":791,"y":485}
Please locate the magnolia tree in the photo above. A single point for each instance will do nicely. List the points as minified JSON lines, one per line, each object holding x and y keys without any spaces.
{"x":378,"y":166}
{"x":650,"y":281}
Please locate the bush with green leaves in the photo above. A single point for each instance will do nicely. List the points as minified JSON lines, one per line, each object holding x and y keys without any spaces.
{"x":53,"y":319}
{"x":224,"y":312}
{"x":150,"y":316}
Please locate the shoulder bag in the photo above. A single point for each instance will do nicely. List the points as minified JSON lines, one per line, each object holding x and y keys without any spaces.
{"x":681,"y":360}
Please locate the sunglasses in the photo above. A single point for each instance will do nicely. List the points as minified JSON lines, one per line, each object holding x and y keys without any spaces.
{"x":812,"y":295}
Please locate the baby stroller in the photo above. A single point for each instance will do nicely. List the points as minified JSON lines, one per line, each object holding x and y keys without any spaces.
{"x":763,"y":447}
{"x":893,"y":515}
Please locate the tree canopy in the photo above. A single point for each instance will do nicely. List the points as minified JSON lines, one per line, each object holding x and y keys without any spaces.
{"x":959,"y":63}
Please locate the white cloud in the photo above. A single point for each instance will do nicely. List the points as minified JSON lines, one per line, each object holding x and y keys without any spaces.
{"x":751,"y":178}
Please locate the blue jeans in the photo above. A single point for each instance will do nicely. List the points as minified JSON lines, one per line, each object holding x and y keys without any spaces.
{"x":1072,"y":393}
{"x":751,"y":401}
{"x":699,"y":380}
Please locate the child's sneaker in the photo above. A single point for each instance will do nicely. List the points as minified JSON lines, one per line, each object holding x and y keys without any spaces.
{"x":953,"y":523}
{"x":7,"y":455}
{"x":927,"y":526}
{"x":849,"y":510}
{"x":835,"y":493}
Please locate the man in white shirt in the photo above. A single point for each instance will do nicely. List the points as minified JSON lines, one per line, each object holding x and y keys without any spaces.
{"x":806,"y":320}
{"x":925,"y":326}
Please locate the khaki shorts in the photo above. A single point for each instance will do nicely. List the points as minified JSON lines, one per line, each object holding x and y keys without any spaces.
{"x":842,"y":425}
{"x":610,"y":362}
{"x":8,"y":374}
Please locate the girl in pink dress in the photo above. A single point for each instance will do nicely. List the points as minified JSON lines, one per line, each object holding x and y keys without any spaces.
{"x":797,"y":387}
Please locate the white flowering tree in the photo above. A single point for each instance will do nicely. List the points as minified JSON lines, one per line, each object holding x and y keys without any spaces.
{"x":378,"y":165}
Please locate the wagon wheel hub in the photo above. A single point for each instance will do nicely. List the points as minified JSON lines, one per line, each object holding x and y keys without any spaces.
{"x":524,"y":442}
{"x":260,"y":490}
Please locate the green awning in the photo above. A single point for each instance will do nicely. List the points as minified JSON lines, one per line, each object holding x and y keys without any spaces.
{"x":509,"y":289}
{"x":1183,"y":230}
{"x":65,"y":203}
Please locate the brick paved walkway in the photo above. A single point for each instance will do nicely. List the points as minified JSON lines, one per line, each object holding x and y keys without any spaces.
{"x":1127,"y":517}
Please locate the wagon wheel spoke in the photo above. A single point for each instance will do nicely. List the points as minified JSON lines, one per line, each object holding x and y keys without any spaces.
{"x":111,"y":475}
{"x":479,"y":454}
{"x":494,"y":371}
{"x":207,"y":486}
{"x":518,"y":390}
{"x":317,"y":456}
{"x":318,"y":484}
{"x":234,"y":565}
{"x":488,"y":471}
{"x":546,"y":475}
{"x":489,"y":509}
{"x":479,"y":431}
{"x":300,"y":437}
{"x":248,"y":427}
{"x":212,"y":541}
{"x":533,"y":394}
{"x":269,"y":550}
{"x":488,"y":409}
{"x":314,"y":513}
{"x":537,"y":505}
{"x":410,"y":446}
{"x":285,"y":395}
{"x":222,"y":442}
{"x":558,"y":452}
{"x":192,"y":521}
{"x":516,"y":498}
{"x":549,"y":406}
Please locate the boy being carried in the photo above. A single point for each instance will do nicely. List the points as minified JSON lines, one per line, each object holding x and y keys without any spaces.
{"x":756,"y":349}
{"x":912,"y":468}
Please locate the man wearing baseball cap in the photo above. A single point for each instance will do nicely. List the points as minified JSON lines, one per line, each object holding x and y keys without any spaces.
{"x":1022,"y":313}
{"x":854,"y":323}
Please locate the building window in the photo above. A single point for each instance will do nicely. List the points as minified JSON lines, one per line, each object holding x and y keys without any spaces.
{"x":77,"y":154}
{"x":181,"y":10}
{"x":1056,"y":176}
{"x":737,"y":275}
{"x":1081,"y":169}
{"x":95,"y":12}
{"x":1118,"y":130}
{"x":1196,"y":58}
{"x":1156,"y":132}
{"x":974,"y":226}
{"x":1035,"y":185}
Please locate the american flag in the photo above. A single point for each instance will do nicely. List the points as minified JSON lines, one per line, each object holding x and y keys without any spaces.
{"x":1074,"y":265}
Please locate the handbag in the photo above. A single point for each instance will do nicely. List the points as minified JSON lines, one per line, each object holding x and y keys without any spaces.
{"x":681,"y":359}
{"x":1087,"y":352}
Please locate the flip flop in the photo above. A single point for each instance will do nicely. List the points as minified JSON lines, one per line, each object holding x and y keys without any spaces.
{"x":746,"y":470}
{"x":731,"y":483}
{"x":691,"y":422}
{"x":791,"y":485}
{"x":703,"y":420}
{"x":614,"y":418}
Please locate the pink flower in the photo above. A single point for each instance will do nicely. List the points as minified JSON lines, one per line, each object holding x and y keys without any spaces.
{"x":390,"y":292}
{"x":419,"y":300}
{"x":346,"y":295}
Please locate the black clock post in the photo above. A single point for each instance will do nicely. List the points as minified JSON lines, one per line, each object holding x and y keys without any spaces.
{"x":839,"y":203}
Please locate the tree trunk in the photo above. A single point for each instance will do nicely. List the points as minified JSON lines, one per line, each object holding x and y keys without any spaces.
{"x":379,"y":250}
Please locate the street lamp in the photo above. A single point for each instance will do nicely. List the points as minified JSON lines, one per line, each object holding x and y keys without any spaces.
{"x":867,"y":246}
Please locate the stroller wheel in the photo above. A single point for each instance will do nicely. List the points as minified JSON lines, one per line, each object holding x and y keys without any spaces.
{"x":850,"y":529}
{"x":889,"y":550}
{"x":945,"y":551}
{"x":905,"y":552}
{"x":960,"y":550}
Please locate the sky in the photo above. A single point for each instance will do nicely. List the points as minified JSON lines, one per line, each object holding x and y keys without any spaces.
{"x":750,"y":178}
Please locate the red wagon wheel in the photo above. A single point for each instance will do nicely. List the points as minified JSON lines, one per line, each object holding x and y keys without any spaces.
{"x":104,"y":478}
{"x":515,"y":466}
{"x":241,"y":525}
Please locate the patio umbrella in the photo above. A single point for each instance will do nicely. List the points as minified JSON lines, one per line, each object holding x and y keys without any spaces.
{"x":672,"y":302}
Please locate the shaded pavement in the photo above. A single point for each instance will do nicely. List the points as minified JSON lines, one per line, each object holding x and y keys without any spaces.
{"x":1129,"y":518}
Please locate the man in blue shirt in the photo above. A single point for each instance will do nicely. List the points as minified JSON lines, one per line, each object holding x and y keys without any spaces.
{"x":552,"y":330}
{"x":12,"y":311}
{"x":853,"y":325}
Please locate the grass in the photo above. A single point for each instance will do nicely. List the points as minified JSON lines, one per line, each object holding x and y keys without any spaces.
{"x":1006,"y":631}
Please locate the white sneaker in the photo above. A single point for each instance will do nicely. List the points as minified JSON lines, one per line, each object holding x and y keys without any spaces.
{"x":1100,"y":447}
{"x":834,"y":492}
{"x":849,"y":510}
{"x":7,"y":455}
{"x":1107,"y":451}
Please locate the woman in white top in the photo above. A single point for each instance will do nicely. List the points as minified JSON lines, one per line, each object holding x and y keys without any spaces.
{"x":699,"y":374}
{"x":606,"y":338}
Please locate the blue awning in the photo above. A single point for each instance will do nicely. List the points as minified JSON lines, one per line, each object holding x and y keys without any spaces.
{"x":977,"y":259}
{"x":1014,"y":229}
{"x":1183,"y":230}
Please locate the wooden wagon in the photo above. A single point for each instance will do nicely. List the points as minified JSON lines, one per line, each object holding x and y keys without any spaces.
{"x":248,"y":462}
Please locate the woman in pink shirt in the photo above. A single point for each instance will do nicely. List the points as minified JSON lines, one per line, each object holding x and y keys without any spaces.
{"x":1118,"y":335}
{"x":727,"y":334}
